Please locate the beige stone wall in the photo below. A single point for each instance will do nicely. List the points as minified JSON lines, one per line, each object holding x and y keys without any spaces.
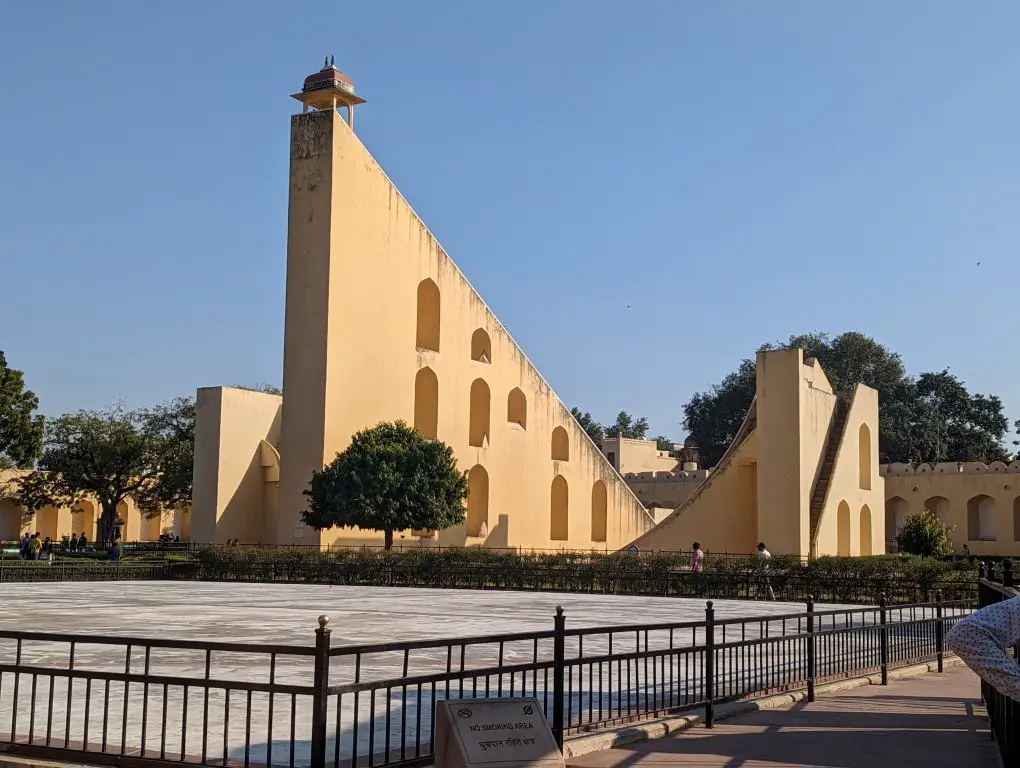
{"x":381,"y":325}
{"x":981,"y":501}
{"x":234,"y":495}
{"x":851,"y":521}
{"x":634,"y":456}
{"x":782,"y":463}
{"x":764,"y":484}
{"x":665,"y":489}
{"x":721,"y":515}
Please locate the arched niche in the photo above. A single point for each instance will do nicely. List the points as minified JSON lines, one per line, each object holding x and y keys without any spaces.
{"x":517,"y":408}
{"x":478,"y":428}
{"x":895,"y":516}
{"x":426,"y":403}
{"x":866,"y":548}
{"x":843,"y":529}
{"x":559,"y":528}
{"x":560,"y":445}
{"x":427,"y":330}
{"x":478,"y":501}
{"x":864,"y":457}
{"x":599,"y":511}
{"x":481,"y":346}
{"x":981,"y":523}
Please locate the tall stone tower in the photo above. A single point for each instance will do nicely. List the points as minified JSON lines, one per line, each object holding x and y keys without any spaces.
{"x":315,"y":256}
{"x":382,"y":325}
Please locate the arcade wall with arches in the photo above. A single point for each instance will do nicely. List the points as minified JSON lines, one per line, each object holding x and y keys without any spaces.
{"x":981,"y":502}
{"x":83,"y":517}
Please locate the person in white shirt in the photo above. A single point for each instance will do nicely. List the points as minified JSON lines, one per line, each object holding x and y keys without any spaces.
{"x":981,"y":640}
{"x":764,"y":556}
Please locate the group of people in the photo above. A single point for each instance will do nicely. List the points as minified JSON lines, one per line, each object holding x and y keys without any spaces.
{"x":36,"y":547}
{"x":761,"y":553}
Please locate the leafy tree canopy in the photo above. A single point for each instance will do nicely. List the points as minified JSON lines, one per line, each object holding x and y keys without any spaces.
{"x":113,"y":455}
{"x":931,"y":418}
{"x":390,"y":478}
{"x":21,"y":429}
{"x":924,"y":534}
{"x":589,"y":425}
{"x":627,"y":426}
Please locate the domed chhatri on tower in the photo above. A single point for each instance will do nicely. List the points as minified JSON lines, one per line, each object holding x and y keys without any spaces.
{"x":329,"y":88}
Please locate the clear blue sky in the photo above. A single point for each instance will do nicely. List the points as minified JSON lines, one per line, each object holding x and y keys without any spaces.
{"x":735,"y":172}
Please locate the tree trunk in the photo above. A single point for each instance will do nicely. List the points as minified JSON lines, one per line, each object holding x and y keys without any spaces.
{"x":388,"y":538}
{"x":106,"y":523}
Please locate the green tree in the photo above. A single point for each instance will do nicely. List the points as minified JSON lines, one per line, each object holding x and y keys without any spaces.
{"x":390,"y":478}
{"x":170,"y":428}
{"x":113,"y":455}
{"x":627,"y":427}
{"x":21,"y":429}
{"x":924,"y":534}
{"x":589,"y":425}
{"x":663,"y":443}
{"x":930,"y":418}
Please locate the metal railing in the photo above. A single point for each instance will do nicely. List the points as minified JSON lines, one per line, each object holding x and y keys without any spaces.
{"x":139,"y":701}
{"x":1003,"y":711}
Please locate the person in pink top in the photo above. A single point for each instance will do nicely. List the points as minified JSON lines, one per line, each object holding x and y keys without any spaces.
{"x":697,"y":564}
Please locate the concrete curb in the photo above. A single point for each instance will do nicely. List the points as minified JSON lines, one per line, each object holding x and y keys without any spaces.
{"x":584,"y":744}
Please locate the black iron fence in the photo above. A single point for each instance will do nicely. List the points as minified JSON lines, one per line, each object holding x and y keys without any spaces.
{"x":1003,"y":711}
{"x":139,"y":701}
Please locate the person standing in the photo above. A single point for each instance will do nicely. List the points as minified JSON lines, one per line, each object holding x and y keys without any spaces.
{"x":764,"y":556}
{"x":34,"y":546}
{"x":981,"y":640}
{"x":697,"y":568}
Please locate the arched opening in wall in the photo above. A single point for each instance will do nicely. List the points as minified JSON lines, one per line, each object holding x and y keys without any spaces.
{"x":427,"y":336}
{"x":981,"y":524}
{"x":599,"y":511}
{"x":560,"y":445}
{"x":478,"y":428}
{"x":1016,"y":519}
{"x":559,"y":529}
{"x":895,"y":516}
{"x":478,"y":502}
{"x":843,"y":529}
{"x":182,"y":523}
{"x":151,"y":528}
{"x":83,"y":519}
{"x":866,"y":548}
{"x":426,"y":403}
{"x":10,"y":520}
{"x":517,"y":408}
{"x":864,"y":457}
{"x":46,"y":522}
{"x":125,"y":530}
{"x":481,"y":346}
{"x":938,"y":506}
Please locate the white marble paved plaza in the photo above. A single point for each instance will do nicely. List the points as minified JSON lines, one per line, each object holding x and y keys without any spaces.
{"x":286,"y":614}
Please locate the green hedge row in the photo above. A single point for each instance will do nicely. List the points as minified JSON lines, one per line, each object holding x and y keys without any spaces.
{"x":902,"y":578}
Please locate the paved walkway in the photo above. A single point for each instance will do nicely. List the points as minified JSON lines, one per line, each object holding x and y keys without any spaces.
{"x":930,"y":720}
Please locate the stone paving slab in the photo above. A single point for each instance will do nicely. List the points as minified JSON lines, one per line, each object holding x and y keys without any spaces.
{"x":930,"y":720}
